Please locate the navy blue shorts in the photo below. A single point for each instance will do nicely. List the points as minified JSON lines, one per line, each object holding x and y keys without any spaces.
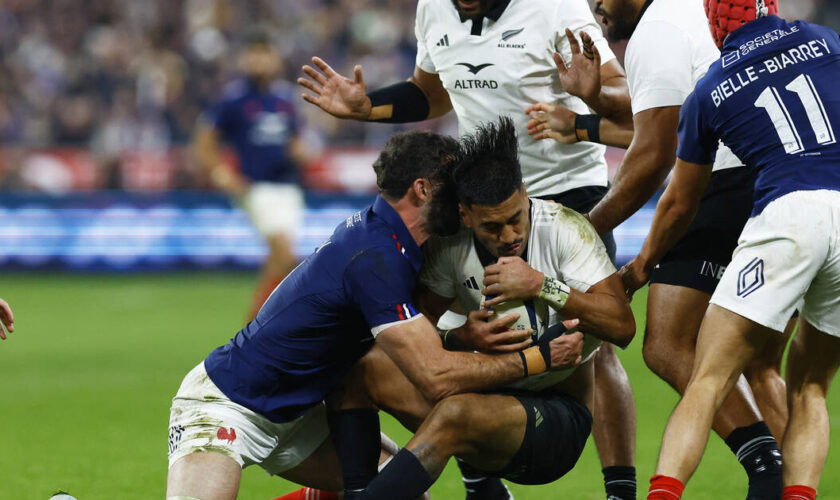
{"x":700,"y":257}
{"x":556,"y":433}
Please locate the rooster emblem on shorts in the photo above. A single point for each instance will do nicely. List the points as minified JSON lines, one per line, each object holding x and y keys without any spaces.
{"x":228,"y":435}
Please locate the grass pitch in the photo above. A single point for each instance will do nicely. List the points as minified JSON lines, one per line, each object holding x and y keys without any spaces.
{"x":86,"y":382}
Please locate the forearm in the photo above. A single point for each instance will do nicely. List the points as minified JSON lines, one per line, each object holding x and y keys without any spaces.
{"x":638,"y":178}
{"x":603,"y":315}
{"x":614,"y":133}
{"x":613,"y":101}
{"x":406,"y":102}
{"x":609,"y":132}
{"x":437,"y":96}
{"x":670,"y":222}
{"x":454,"y":372}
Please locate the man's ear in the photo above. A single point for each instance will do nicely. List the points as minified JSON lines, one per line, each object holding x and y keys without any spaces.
{"x":422,"y":190}
{"x":462,"y":211}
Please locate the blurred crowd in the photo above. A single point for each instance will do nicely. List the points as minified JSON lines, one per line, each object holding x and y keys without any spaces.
{"x":112,"y":76}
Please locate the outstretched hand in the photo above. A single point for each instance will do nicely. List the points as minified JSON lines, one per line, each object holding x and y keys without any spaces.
{"x":549,"y":121}
{"x":582,"y":77}
{"x":334,"y":93}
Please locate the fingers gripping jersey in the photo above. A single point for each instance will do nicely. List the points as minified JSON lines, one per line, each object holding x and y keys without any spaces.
{"x":773,"y":99}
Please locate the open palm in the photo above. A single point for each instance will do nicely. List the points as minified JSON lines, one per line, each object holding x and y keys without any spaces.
{"x":334,"y":93}
{"x":582,"y":77}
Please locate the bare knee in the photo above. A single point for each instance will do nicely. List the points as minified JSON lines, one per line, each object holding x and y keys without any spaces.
{"x":453,"y":411}
{"x":670,"y":361}
{"x":208,"y":476}
{"x":655,"y":361}
{"x":450,"y":420}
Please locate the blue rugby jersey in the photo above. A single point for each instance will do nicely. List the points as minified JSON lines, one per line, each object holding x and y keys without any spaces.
{"x":773,"y":98}
{"x":259,"y":125}
{"x":322,"y":318}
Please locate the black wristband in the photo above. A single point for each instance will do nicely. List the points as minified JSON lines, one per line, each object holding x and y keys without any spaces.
{"x":524,"y":363}
{"x":409,"y":102}
{"x":591,"y":124}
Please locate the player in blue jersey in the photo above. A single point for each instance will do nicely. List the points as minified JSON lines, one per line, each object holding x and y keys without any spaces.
{"x":258,"y":399}
{"x":772,"y":98}
{"x":257,"y":119}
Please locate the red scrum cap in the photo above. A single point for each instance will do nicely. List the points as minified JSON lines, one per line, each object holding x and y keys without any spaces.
{"x":726,"y":16}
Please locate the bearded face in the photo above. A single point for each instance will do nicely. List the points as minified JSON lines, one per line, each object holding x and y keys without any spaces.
{"x":619,"y":16}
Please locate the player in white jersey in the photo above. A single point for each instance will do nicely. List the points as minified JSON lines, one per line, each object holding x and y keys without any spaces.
{"x":670,"y":48}
{"x":485,"y":58}
{"x":550,"y":259}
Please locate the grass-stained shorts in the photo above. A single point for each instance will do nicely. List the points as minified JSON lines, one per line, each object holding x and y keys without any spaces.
{"x":202,"y":419}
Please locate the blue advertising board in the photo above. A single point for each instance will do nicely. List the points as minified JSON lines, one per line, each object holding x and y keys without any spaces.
{"x":116,"y":231}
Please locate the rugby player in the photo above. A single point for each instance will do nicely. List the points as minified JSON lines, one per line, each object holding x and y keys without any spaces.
{"x":520,"y":248}
{"x":7,"y":319}
{"x":257,"y":118}
{"x":670,"y":48}
{"x":485,"y":58}
{"x":258,"y":399}
{"x":772,"y":98}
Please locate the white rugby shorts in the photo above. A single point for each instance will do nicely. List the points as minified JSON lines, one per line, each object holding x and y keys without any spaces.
{"x":787,"y":253}
{"x":203,"y":419}
{"x":275,"y":208}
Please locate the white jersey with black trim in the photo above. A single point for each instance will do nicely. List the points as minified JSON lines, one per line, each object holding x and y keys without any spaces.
{"x":670,"y":50}
{"x":506,"y":66}
{"x":562,"y":244}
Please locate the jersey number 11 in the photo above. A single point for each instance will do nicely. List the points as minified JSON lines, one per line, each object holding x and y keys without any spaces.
{"x":802,"y":86}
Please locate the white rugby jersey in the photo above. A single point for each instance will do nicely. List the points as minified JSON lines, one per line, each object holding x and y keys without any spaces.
{"x":562,"y":244}
{"x":504,"y":65}
{"x":670,"y":50}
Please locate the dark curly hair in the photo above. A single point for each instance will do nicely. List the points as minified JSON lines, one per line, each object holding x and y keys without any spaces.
{"x":413,"y":155}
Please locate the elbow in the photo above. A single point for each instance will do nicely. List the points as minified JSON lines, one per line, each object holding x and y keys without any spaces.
{"x":625,"y":327}
{"x":681,"y":210}
{"x":674,"y":207}
{"x":626,"y":331}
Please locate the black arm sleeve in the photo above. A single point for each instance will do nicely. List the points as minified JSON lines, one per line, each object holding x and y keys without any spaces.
{"x":409,"y":102}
